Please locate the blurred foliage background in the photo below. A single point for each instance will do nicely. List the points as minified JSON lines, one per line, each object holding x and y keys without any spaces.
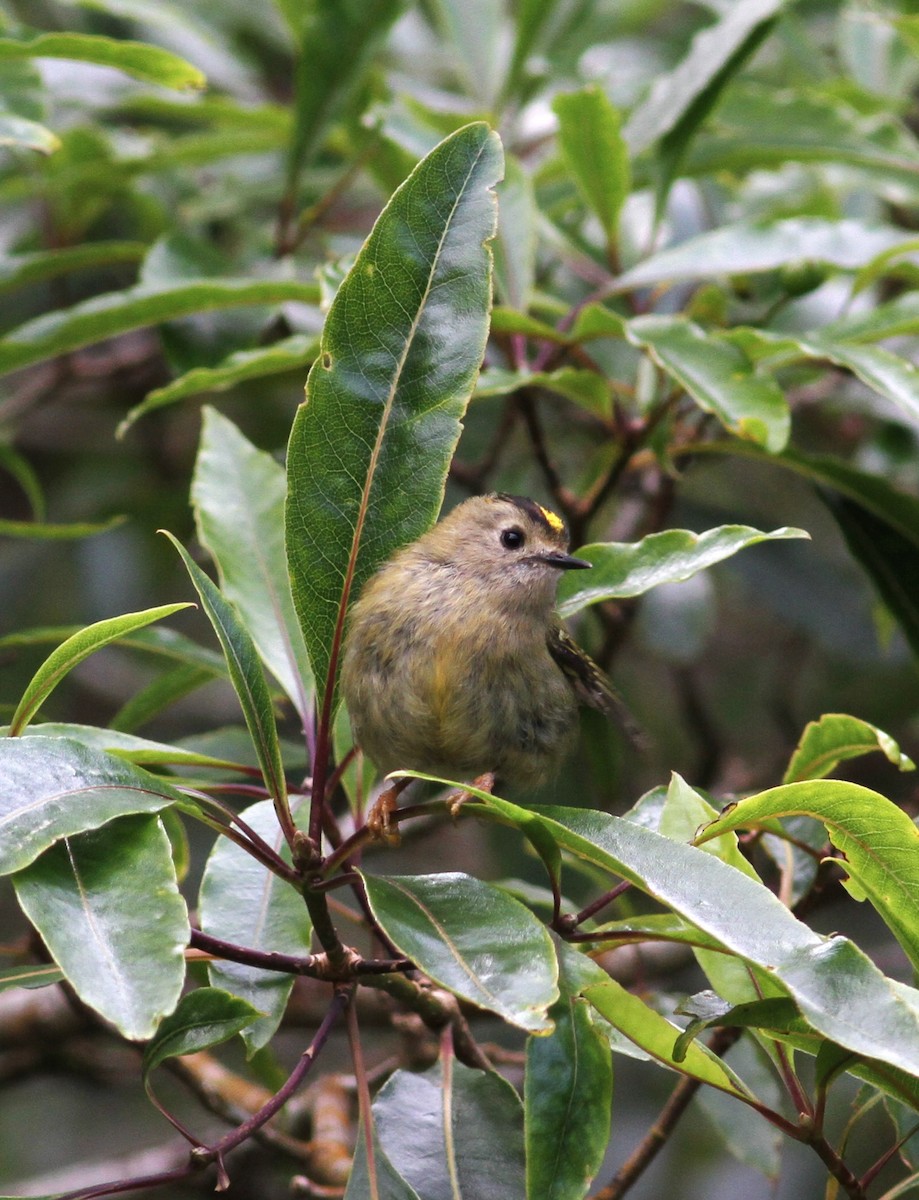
{"x":166,"y":243}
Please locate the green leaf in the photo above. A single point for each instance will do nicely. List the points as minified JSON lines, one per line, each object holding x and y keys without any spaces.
{"x":23,"y":270}
{"x":238,"y":493}
{"x":685,"y":810}
{"x":879,"y":1019}
{"x":338,"y":39}
{"x":203,"y":1018}
{"x":167,"y":688}
{"x":707,"y":65}
{"x":239,"y":367}
{"x":622,"y":569}
{"x":778,"y":1014}
{"x":113,"y":313}
{"x":890,"y":560}
{"x":761,"y":126}
{"x":107,"y":906}
{"x":515,"y":243}
{"x":595,"y":153}
{"x":658,"y":1037}
{"x":36,"y":975}
{"x":74,"y":650}
{"x":247,"y":678}
{"x":568,"y":1090}
{"x":472,"y":938}
{"x":748,"y":248}
{"x":57,"y":531}
{"x":387,"y":1183}
{"x":26,"y":134}
{"x":451,"y":1131}
{"x":835,"y":738}
{"x":140,"y":751}
{"x":149,"y":63}
{"x":878,"y":841}
{"x":585,"y":388}
{"x":54,"y":787}
{"x":718,"y":376}
{"x":401,"y":348}
{"x":243,"y":902}
{"x":474,"y":33}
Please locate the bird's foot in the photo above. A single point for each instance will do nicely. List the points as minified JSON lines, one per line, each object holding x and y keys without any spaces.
{"x":379,"y":819}
{"x":456,"y":800}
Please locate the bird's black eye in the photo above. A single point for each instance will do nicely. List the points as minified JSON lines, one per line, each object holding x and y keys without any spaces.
{"x":512,"y":539}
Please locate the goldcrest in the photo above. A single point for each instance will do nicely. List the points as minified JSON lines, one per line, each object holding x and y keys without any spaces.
{"x":455,"y":661}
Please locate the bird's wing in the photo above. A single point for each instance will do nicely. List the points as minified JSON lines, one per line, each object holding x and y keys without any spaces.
{"x":589,"y":683}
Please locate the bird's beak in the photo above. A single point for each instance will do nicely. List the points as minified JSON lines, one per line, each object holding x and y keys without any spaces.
{"x":564,"y":562}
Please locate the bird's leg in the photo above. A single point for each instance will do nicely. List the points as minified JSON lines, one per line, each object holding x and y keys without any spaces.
{"x":456,"y":800}
{"x":379,"y":819}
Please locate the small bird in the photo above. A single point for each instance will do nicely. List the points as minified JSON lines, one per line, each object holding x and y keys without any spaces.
{"x":455,"y":661}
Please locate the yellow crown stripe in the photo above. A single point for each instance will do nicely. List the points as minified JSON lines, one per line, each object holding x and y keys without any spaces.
{"x":552,"y":519}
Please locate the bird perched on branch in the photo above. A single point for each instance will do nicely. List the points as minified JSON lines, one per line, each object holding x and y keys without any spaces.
{"x":455,"y":661}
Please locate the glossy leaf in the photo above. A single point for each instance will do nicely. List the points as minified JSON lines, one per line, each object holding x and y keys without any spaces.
{"x":239,"y":367}
{"x":878,"y":841}
{"x":685,"y":811}
{"x":54,"y":787}
{"x":568,"y":1090}
{"x":472,"y":938}
{"x":595,"y":152}
{"x":712,"y":51}
{"x":623,"y":569}
{"x":244,"y":903}
{"x":73,"y":651}
{"x":203,"y":1018}
{"x":141,"y":751}
{"x":658,"y":1037}
{"x":451,"y":1131}
{"x":107,"y":906}
{"x":748,"y":248}
{"x":835,"y":738}
{"x":113,"y":313}
{"x":238,"y":493}
{"x":718,"y":376}
{"x":152,"y":64}
{"x":246,"y":675}
{"x":401,"y":348}
{"x":880,"y":1018}
{"x":387,"y":1183}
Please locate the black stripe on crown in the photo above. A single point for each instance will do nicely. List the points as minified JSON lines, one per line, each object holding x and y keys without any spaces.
{"x":542,"y":516}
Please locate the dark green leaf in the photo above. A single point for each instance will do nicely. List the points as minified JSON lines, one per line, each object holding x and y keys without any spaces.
{"x":36,"y":975}
{"x":472,"y":938}
{"x":401,"y":348}
{"x":21,"y":270}
{"x":107,"y":906}
{"x":54,"y":787}
{"x":241,"y":366}
{"x":387,"y":1183}
{"x":246,"y":675}
{"x":238,"y":493}
{"x":203,"y":1018}
{"x":451,"y":1131}
{"x":567,"y":1099}
{"x":141,"y":751}
{"x":113,"y":313}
